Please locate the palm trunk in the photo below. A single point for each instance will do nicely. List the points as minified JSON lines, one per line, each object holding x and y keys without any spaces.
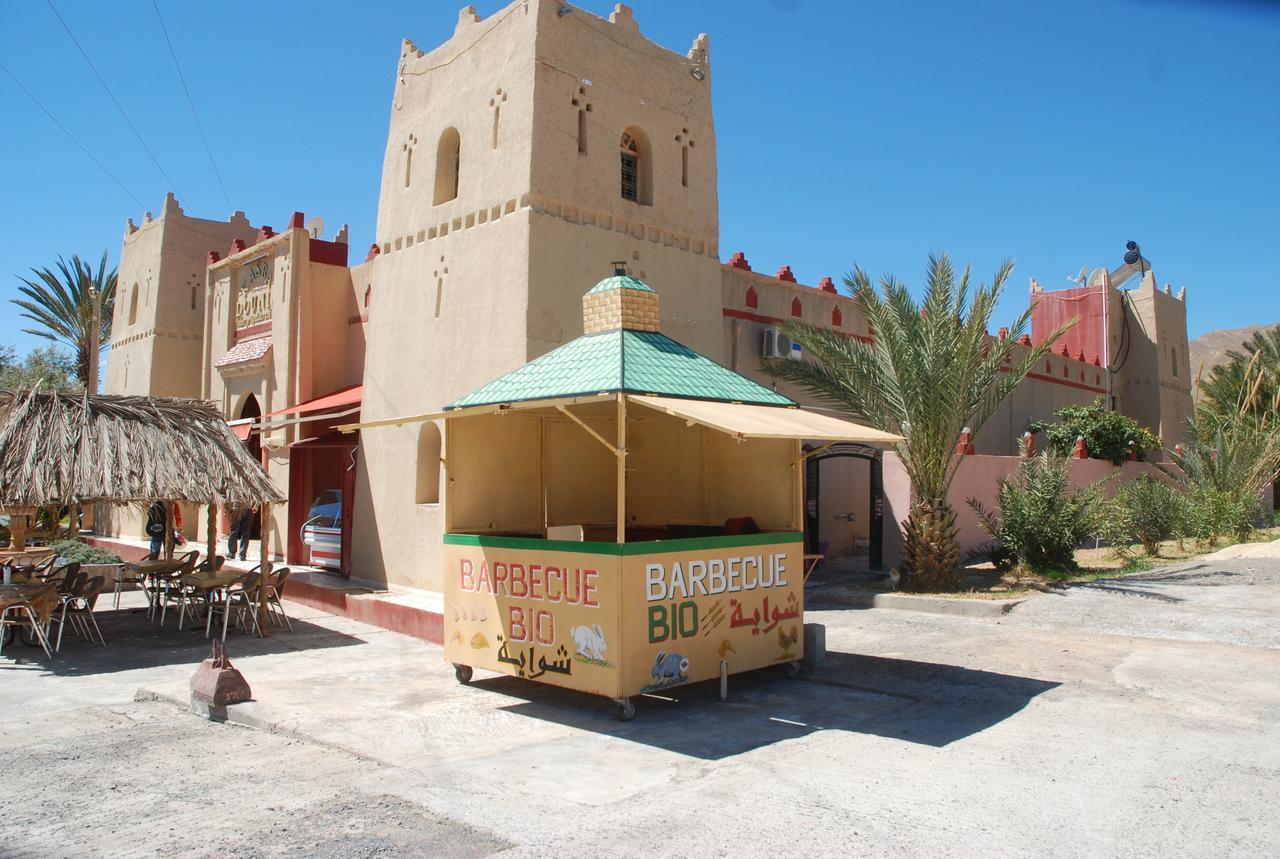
{"x":931,"y":548}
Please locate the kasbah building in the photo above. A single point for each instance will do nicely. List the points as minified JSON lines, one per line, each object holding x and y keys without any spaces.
{"x":525,"y":157}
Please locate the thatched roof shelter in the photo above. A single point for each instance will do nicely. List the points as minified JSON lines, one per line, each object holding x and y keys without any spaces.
{"x":76,"y":449}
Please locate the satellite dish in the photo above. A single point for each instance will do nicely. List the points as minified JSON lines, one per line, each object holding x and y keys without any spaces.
{"x":315,"y":227}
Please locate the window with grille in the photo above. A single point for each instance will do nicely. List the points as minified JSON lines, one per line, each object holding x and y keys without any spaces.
{"x":630,"y":168}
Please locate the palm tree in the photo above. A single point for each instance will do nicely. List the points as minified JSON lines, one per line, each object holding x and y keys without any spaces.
{"x":1252,"y":375}
{"x":929,"y":371}
{"x":61,"y":305}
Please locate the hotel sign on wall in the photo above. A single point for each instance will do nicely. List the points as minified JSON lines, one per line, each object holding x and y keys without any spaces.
{"x":253,"y":293}
{"x":622,"y":624}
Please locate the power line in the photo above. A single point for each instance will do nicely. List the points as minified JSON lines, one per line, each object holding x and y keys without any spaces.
{"x":114,"y":101}
{"x":71,"y":137}
{"x":191,"y":103}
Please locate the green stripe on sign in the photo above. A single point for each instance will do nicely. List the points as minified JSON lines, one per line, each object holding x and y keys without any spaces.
{"x":646,"y":547}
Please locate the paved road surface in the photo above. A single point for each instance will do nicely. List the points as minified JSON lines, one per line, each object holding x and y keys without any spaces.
{"x":1140,"y":717}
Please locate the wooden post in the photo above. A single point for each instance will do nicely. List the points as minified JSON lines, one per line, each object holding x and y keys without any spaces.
{"x":168,"y":530}
{"x":265,"y":549}
{"x":212,"y":536}
{"x":95,"y":346}
{"x":622,"y":468}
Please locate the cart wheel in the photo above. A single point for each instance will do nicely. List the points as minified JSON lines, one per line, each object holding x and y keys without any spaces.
{"x":624,"y":710}
{"x":27,"y":637}
{"x":463,"y":673}
{"x":792,"y":669}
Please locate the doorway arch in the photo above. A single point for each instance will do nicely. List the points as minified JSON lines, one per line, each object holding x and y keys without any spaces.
{"x":250,"y":408}
{"x":875,"y":489}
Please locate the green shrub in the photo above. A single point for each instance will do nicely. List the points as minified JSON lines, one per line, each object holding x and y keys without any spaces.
{"x":74,"y":550}
{"x":1041,"y":519}
{"x":1224,"y":466}
{"x":1106,"y":434}
{"x":1148,"y":511}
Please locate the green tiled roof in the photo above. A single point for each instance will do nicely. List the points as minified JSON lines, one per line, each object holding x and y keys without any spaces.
{"x":633,"y":362}
{"x":620,"y":281}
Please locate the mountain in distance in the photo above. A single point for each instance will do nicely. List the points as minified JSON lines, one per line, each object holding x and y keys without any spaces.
{"x":1210,"y":349}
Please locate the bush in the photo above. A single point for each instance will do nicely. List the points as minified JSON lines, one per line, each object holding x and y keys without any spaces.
{"x":1148,"y":511}
{"x":1106,"y":434}
{"x":1042,"y":520}
{"x":74,"y":550}
{"x":1225,"y":466}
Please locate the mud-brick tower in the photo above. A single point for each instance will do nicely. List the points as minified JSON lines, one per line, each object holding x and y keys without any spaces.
{"x":1136,"y":332}
{"x":158,"y":328}
{"x":525,"y":155}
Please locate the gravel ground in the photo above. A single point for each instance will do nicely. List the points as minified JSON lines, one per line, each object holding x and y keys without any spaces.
{"x":1138,"y":717}
{"x":145,"y":780}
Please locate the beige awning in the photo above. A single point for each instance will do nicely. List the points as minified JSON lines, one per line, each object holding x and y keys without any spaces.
{"x":745,"y":421}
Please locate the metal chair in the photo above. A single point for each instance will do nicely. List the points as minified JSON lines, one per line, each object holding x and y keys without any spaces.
{"x":244,"y":601}
{"x":275,"y":590}
{"x":79,"y":607}
{"x":173,"y":590}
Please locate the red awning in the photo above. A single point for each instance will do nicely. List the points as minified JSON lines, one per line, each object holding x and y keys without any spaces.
{"x":242,"y":431}
{"x":345,"y":397}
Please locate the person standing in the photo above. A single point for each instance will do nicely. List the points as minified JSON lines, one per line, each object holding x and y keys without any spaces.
{"x":241,"y":530}
{"x":157,"y":521}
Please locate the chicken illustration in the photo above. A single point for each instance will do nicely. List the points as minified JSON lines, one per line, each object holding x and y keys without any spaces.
{"x":726,"y":647}
{"x":787,"y":640}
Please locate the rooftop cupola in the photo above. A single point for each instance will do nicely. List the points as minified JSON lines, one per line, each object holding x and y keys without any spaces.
{"x":620,"y":302}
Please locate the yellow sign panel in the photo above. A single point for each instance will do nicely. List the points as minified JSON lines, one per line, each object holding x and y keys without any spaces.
{"x":534,"y":613}
{"x":686,"y":612}
{"x":620,"y":625}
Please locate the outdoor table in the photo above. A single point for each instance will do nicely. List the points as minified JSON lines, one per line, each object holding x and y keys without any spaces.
{"x":17,"y":594}
{"x":152,"y":571}
{"x":207,"y":582}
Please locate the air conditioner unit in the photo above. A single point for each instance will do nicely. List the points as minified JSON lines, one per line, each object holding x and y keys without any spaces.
{"x":778,"y":345}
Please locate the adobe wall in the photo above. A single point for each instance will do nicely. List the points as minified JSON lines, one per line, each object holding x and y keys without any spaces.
{"x":161,"y":289}
{"x":1153,"y":376}
{"x":753,"y":302}
{"x":416,"y":362}
{"x":486,"y":67}
{"x":978,"y":478}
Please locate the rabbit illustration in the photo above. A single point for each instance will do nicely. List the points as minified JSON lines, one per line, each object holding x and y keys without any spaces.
{"x":589,"y":641}
{"x":669,"y":667}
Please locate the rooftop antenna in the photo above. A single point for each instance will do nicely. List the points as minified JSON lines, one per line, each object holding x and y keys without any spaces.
{"x":315,"y":227}
{"x":619,"y":267}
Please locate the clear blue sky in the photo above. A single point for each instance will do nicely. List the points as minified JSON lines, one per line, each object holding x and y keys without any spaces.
{"x":874,"y":132}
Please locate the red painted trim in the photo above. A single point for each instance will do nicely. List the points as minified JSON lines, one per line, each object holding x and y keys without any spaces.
{"x":1070,"y":384}
{"x":126,"y":551}
{"x":396,"y":617}
{"x":358,"y":320}
{"x":260,"y":328}
{"x":328,"y":253}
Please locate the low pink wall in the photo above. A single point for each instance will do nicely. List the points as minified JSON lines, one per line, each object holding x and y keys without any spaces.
{"x":979,"y":478}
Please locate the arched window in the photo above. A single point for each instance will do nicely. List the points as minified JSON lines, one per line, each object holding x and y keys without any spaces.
{"x":428,"y":491}
{"x":636,"y":167}
{"x":133,"y":305}
{"x":448,"y":166}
